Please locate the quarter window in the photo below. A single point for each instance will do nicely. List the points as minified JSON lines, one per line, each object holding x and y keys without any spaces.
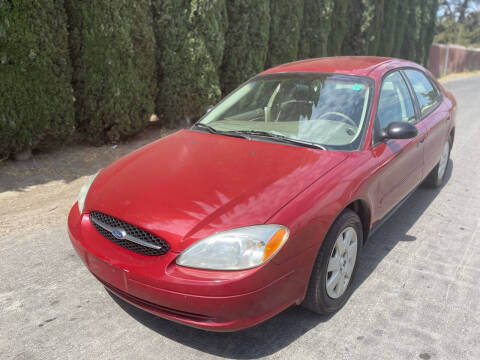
{"x":426,"y":95}
{"x":395,"y":103}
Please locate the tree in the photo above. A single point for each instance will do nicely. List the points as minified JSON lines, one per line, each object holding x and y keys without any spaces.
{"x":36,"y":100}
{"x":389,"y":28}
{"x":112,"y":48}
{"x":339,"y":26}
{"x":411,"y":38}
{"x":191,"y":40}
{"x":246,"y":41}
{"x":315,"y":29}
{"x":457,"y":23}
{"x":285,"y":26}
{"x":375,"y":10}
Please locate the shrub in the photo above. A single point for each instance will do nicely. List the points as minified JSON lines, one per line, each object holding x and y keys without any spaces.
{"x":285,"y":25}
{"x":428,"y":29}
{"x":339,"y":26}
{"x":360,"y":15}
{"x":412,"y":30}
{"x":191,"y":40}
{"x":36,"y":101}
{"x":389,"y":28}
{"x":246,"y":41}
{"x":401,"y":28}
{"x":112,"y":48}
{"x":375,"y":8}
{"x":315,"y":29}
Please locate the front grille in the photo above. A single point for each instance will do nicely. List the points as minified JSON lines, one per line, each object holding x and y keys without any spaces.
{"x":104,"y":223}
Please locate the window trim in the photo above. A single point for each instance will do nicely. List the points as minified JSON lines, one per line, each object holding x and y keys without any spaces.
{"x":413,"y":99}
{"x":434,"y":86}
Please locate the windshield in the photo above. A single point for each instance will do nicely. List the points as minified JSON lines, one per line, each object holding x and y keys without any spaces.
{"x":324,"y":109}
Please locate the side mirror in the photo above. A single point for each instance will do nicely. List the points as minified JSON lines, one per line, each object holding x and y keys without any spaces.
{"x":399,"y":130}
{"x":208,"y":108}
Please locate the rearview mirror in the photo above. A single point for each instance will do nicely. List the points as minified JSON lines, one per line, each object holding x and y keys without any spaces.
{"x":399,"y":130}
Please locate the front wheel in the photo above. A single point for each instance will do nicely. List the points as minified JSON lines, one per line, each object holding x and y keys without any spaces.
{"x":334,"y":269}
{"x":436,"y":177}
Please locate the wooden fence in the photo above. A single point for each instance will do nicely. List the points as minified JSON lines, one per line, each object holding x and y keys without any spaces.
{"x":447,"y":59}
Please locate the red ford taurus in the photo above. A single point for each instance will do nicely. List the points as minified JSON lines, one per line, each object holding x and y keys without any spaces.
{"x":268,"y":200}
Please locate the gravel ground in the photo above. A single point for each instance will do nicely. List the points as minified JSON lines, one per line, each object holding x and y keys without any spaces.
{"x":416,"y":296}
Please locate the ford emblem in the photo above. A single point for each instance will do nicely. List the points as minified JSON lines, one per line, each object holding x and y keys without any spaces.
{"x":119,"y":233}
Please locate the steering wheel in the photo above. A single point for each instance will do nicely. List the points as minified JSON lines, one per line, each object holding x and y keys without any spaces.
{"x":343,"y":116}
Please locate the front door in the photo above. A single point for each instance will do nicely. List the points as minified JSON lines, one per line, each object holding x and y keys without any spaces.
{"x":400,"y":161}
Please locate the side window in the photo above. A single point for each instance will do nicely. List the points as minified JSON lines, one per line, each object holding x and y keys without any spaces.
{"x":426,"y":94}
{"x":395,"y":103}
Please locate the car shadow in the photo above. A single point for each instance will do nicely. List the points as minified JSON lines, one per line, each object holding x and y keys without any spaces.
{"x":277,"y":333}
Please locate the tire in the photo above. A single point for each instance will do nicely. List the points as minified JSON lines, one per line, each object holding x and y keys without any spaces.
{"x":436,"y":177}
{"x":318,"y":298}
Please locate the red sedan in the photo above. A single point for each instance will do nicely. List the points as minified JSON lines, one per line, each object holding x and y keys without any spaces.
{"x":268,"y":200}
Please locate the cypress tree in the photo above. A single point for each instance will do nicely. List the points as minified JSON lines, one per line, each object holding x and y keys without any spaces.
{"x":402,"y":23}
{"x":285,"y":26}
{"x":246,"y":41}
{"x":412,"y":31}
{"x":112,"y":48}
{"x":430,"y":29}
{"x":375,"y":9}
{"x":191,"y":41}
{"x":315,"y":29}
{"x":36,"y":100}
{"x":389,"y":28}
{"x":339,"y":26}
{"x":423,"y":20}
{"x":429,"y":15}
{"x":359,"y":19}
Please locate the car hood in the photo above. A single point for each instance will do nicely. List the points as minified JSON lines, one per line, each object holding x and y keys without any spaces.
{"x":191,"y":184}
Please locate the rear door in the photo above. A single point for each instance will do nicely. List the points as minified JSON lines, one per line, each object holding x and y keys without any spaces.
{"x":400,"y":161}
{"x":433,"y":118}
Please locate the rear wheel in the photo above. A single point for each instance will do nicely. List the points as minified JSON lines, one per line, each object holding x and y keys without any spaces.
{"x":436,"y":177}
{"x":334,"y":269}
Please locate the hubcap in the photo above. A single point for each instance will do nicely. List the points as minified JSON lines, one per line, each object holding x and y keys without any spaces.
{"x":442,"y":165}
{"x":341,"y":263}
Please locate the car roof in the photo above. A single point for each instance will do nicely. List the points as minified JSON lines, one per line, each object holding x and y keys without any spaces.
{"x":352,"y":65}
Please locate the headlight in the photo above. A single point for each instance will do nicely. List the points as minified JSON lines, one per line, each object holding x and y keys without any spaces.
{"x":235,"y":249}
{"x":84,"y":191}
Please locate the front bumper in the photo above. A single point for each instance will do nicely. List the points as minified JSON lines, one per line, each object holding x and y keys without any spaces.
{"x":211,"y":300}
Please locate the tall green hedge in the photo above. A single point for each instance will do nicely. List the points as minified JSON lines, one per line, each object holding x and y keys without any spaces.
{"x":36,"y":100}
{"x":112,"y":48}
{"x":191,"y":41}
{"x":387,"y":35}
{"x":315,"y":29}
{"x":359,"y":17}
{"x":375,"y":27}
{"x":429,"y":16}
{"x":127,"y":59}
{"x":401,"y":28}
{"x":412,"y":31}
{"x":246,"y":41}
{"x":339,"y":26}
{"x":285,"y":26}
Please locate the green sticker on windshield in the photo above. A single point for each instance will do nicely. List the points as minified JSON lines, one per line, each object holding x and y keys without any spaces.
{"x":357,"y":87}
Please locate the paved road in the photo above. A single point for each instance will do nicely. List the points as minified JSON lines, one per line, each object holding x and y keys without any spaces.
{"x":417,"y":295}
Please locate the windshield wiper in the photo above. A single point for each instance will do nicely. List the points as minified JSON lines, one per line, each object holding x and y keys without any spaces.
{"x":280,"y":138}
{"x":206,"y":127}
{"x":212,"y":130}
